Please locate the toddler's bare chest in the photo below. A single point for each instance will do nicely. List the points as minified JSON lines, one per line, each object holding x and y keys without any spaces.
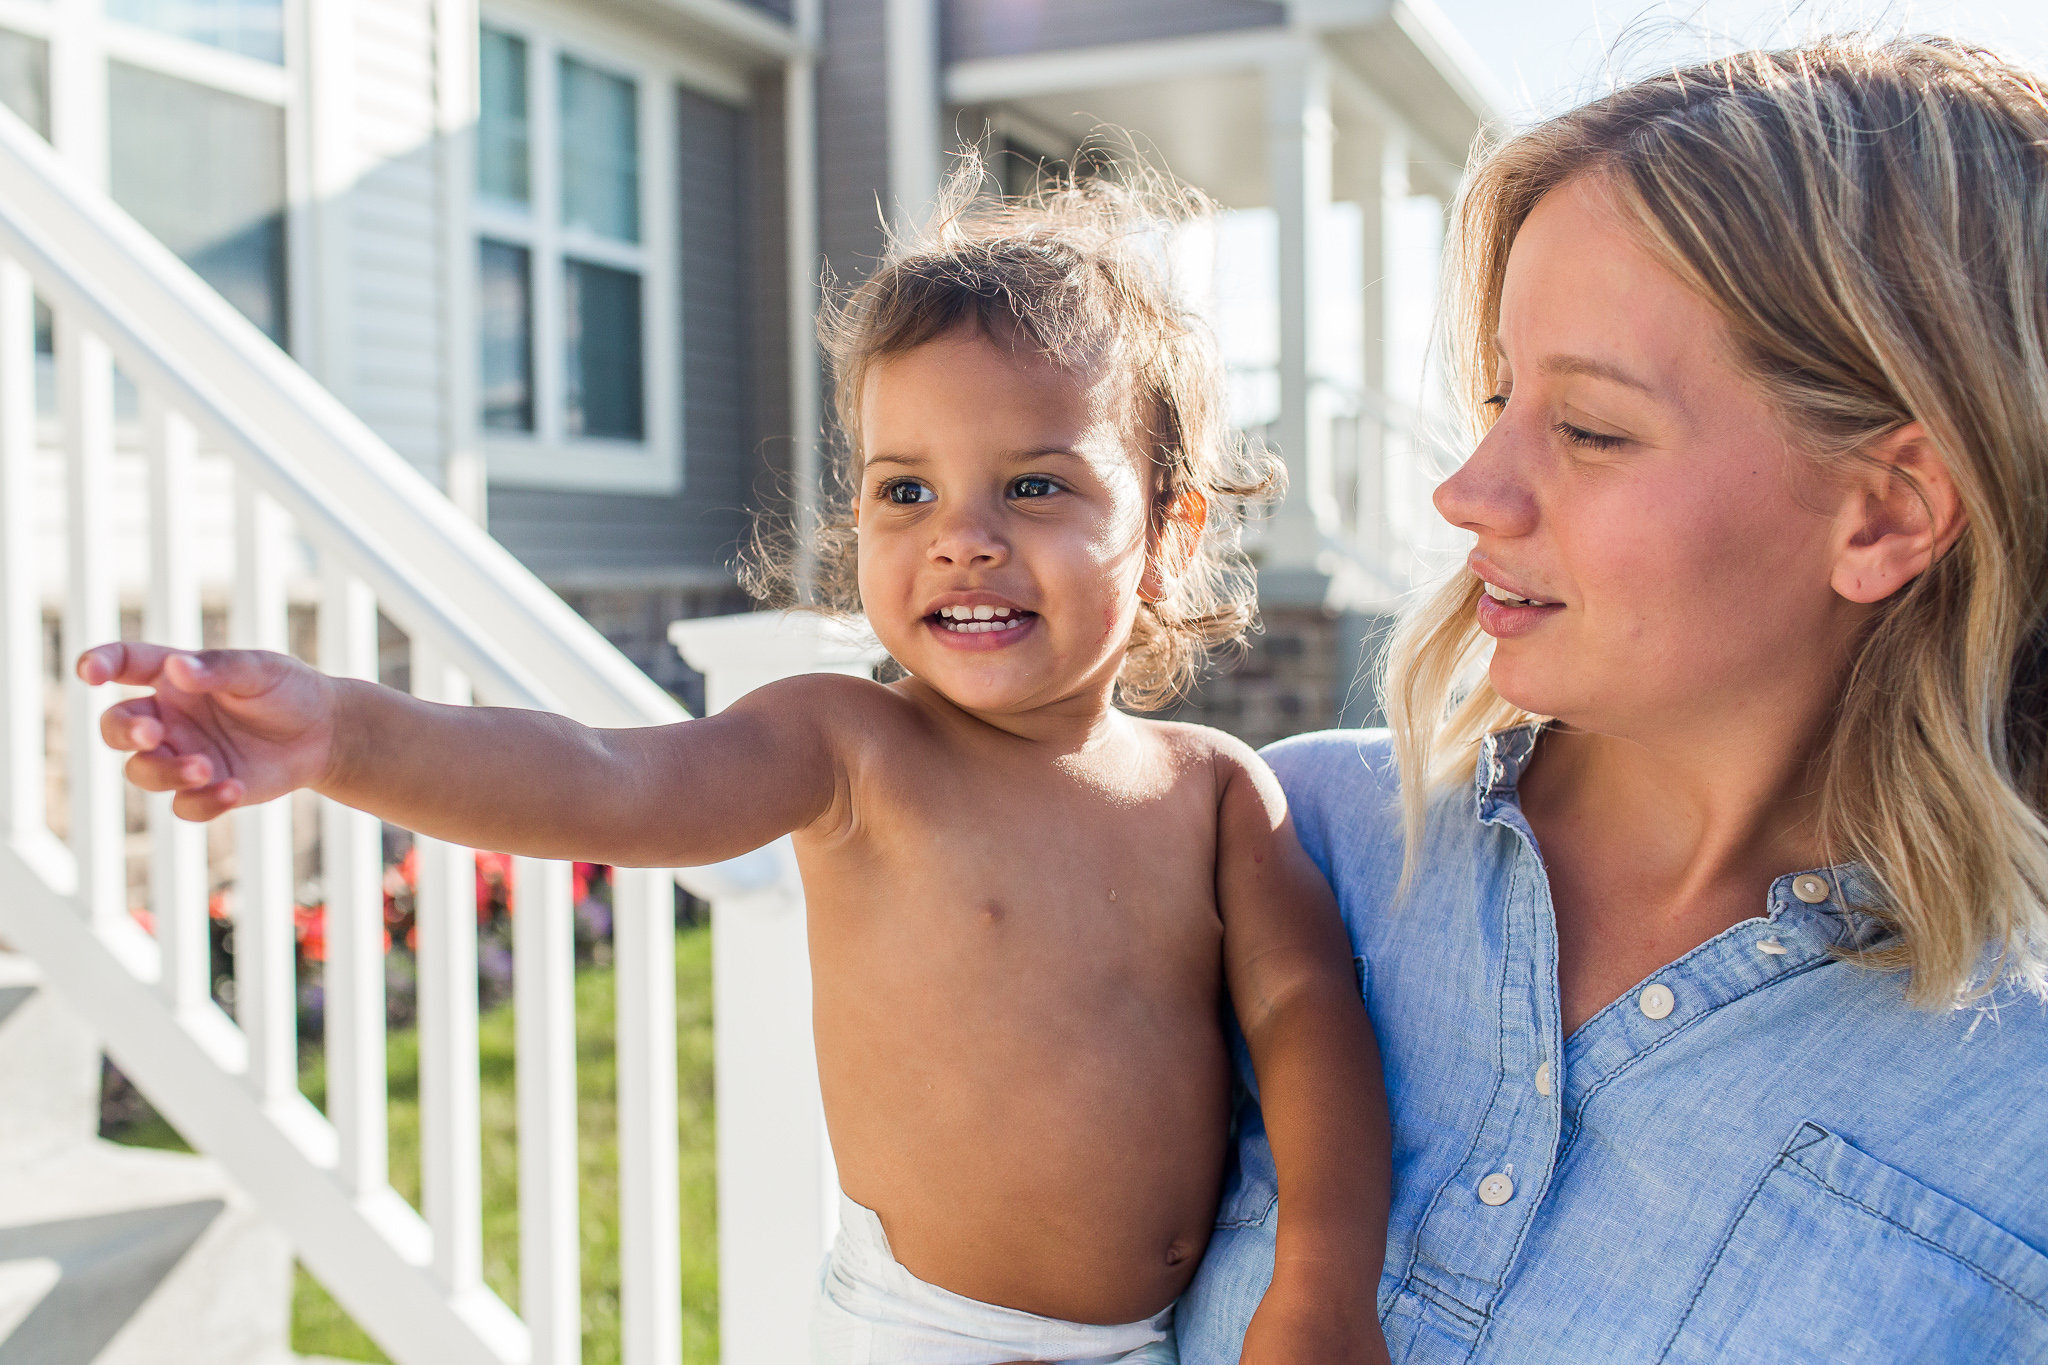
{"x":1021,"y":877}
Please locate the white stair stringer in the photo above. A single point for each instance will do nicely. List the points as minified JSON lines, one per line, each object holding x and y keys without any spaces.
{"x":482,"y":629}
{"x":370,"y":1255}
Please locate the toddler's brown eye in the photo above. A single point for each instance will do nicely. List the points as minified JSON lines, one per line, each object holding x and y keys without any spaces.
{"x":908,"y":491}
{"x":1032,"y":486}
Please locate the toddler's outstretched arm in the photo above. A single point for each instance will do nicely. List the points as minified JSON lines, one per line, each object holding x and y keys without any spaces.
{"x":1318,"y":1068}
{"x":228,"y":728}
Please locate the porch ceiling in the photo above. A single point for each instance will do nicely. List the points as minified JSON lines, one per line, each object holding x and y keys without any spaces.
{"x":1198,"y":105}
{"x":1209,"y":130}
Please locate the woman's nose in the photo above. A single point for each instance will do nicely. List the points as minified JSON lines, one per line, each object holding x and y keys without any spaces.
{"x":1490,"y":493}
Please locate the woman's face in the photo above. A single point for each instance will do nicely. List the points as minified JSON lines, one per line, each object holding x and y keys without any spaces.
{"x":1651,"y":560}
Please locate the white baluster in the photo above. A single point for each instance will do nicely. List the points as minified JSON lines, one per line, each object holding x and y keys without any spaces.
{"x":544,"y":984}
{"x":22,"y":756}
{"x":352,"y":875}
{"x":266,"y":987}
{"x":450,"y":1126}
{"x":644,"y":959}
{"x":177,"y":848}
{"x":92,"y":615}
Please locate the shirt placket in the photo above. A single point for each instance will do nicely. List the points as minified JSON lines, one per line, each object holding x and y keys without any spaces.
{"x":1468,"y":1239}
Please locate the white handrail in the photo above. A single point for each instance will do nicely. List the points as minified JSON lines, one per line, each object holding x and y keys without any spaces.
{"x":434,"y":571}
{"x":481,"y":628}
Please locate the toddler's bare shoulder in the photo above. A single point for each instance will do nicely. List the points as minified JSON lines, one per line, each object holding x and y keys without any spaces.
{"x":829,"y":701}
{"x":1223,"y":756}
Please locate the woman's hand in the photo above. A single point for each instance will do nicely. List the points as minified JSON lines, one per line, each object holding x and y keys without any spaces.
{"x":225,"y":728}
{"x":1301,"y":1322}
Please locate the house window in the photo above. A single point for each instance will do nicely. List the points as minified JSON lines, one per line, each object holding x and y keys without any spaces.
{"x":25,"y":79}
{"x":571,"y":266}
{"x":503,"y":149}
{"x":192,"y":138}
{"x":204,"y":171}
{"x":252,"y":28}
{"x":505,"y":331}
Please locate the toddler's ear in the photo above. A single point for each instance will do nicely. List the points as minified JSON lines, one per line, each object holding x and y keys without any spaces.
{"x":1174,"y":541}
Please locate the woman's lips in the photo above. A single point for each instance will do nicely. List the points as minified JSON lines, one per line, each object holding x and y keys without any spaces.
{"x":1505,"y":620}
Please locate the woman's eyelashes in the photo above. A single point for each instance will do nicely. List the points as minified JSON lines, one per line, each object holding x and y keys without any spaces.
{"x":1567,"y":432}
{"x":1589,"y":440}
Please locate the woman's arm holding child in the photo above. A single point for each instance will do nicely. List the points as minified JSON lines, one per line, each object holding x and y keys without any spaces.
{"x":228,"y":728}
{"x":1289,"y":969}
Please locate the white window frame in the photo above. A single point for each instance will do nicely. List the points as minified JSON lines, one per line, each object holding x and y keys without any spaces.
{"x":82,"y":40}
{"x":549,"y":457}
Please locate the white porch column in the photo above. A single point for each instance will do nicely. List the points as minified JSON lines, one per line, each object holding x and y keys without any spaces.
{"x":912,"y":34}
{"x":1384,"y":198}
{"x":1299,"y":135}
{"x":800,"y":180}
{"x":463,"y":475}
{"x":778,"y":1188}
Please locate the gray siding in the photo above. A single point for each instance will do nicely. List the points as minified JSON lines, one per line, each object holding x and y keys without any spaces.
{"x":1006,"y":28}
{"x":765,"y":321}
{"x":853,"y":137}
{"x":394,"y":381}
{"x":579,"y":538}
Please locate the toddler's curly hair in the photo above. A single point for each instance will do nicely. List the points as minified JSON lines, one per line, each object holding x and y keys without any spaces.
{"x":1077,"y":270}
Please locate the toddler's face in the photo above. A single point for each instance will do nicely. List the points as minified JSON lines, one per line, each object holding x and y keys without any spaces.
{"x":1003,"y":522}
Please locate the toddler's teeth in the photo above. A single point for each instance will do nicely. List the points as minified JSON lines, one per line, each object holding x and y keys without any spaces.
{"x":984,"y":613}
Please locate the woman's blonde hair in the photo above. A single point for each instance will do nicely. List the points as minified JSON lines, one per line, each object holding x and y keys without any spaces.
{"x":1075,"y":271}
{"x":1870,"y":218}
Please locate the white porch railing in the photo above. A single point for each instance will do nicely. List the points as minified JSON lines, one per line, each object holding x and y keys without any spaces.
{"x":481,"y":629}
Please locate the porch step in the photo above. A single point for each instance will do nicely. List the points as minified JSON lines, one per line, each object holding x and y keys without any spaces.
{"x":114,"y":1255}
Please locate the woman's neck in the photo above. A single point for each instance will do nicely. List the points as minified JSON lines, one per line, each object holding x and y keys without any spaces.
{"x":1652,"y":849}
{"x":1690,"y":814}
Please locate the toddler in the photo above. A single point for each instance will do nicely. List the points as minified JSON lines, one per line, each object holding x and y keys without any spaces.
{"x":1028,"y":909}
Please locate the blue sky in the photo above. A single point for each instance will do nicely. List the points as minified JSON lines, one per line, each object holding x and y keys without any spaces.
{"x":1549,"y":54}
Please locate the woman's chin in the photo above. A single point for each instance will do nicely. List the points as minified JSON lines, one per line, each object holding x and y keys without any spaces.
{"x":1533,"y":690}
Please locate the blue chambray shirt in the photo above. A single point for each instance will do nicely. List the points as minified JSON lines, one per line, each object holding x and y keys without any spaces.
{"x":1790,"y":1164}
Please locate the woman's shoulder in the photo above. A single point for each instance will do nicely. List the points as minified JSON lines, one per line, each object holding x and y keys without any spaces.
{"x":1344,"y":793}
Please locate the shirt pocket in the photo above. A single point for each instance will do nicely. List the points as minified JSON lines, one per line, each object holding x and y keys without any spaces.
{"x":1251,"y":1186}
{"x":1838,"y":1257}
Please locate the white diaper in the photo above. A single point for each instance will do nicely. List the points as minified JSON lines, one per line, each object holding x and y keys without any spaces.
{"x":871,"y":1311}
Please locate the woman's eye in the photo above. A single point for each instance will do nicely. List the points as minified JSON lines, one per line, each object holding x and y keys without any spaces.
{"x":1590,"y":440}
{"x":1033,"y":486}
{"x":907,"y":491}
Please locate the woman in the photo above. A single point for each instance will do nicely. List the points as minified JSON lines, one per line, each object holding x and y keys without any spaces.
{"x":1704,"y":930}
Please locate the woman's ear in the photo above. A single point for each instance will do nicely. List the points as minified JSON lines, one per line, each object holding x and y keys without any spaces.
{"x":1899,"y":513}
{"x":1174,"y":542}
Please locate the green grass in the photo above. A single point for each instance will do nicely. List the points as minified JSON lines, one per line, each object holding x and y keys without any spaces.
{"x":320,"y":1327}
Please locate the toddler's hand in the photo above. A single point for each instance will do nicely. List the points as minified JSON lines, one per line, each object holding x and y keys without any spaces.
{"x":226,"y":727}
{"x":1297,"y":1325}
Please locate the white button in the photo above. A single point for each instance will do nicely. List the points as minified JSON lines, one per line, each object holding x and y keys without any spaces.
{"x":1496,"y":1190}
{"x":1543,"y":1079}
{"x":1810,"y":888}
{"x":1656,"y":1001}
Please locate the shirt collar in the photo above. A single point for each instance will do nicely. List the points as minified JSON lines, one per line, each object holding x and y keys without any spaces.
{"x":1505,"y":754}
{"x":1502,"y":757}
